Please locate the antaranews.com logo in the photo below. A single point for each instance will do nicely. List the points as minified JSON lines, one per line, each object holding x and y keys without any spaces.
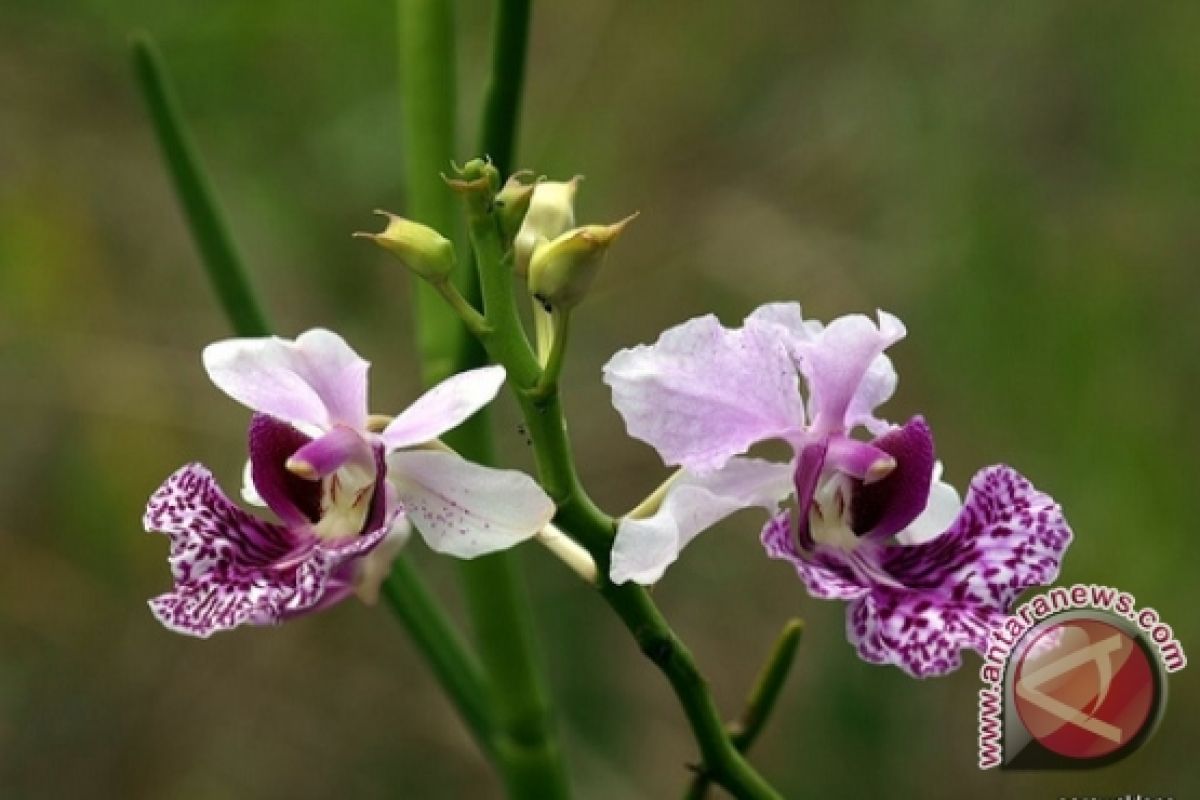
{"x":1074,"y":679}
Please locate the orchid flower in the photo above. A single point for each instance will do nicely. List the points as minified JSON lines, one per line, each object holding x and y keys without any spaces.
{"x":869,"y":522}
{"x":346,"y":496}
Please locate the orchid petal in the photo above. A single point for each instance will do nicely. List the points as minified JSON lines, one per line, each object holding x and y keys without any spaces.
{"x":323,"y":456}
{"x":316,"y":381}
{"x":296,"y":501}
{"x":887,"y":506}
{"x":703,"y":393}
{"x":444,"y":407}
{"x":939,"y":514}
{"x":644,"y":548}
{"x":464,"y":509}
{"x":1008,"y":538}
{"x":920,"y":635}
{"x":224,"y":560}
{"x":848,"y":376}
{"x":824,"y":577}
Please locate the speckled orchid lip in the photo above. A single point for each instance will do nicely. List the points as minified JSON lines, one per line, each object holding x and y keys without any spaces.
{"x":338,"y":484}
{"x":870,"y":521}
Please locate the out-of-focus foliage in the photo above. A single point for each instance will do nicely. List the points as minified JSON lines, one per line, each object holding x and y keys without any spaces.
{"x":1018,"y":183}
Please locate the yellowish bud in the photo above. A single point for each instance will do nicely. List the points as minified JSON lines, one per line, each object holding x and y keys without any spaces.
{"x":512,"y":202}
{"x":551,"y":213}
{"x":562,"y":270}
{"x":422,"y":249}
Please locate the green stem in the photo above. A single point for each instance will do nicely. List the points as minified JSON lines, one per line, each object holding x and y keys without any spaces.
{"x":451,"y":662}
{"x":429,"y":629}
{"x":502,"y":100}
{"x":195,"y":193}
{"x":761,"y":701}
{"x":528,"y":753}
{"x":582,"y":519}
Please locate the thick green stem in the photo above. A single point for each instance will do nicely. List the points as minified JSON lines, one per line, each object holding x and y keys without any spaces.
{"x":195,"y":193}
{"x":454,"y":666}
{"x":578,"y":516}
{"x":429,"y":629}
{"x":528,"y":753}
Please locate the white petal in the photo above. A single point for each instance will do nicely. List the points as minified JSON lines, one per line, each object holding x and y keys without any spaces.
{"x":644,"y":548}
{"x":443,"y":407}
{"x":465,"y":509}
{"x":704,"y":393}
{"x":943,"y":508}
{"x":315,"y":381}
{"x":249,"y":490}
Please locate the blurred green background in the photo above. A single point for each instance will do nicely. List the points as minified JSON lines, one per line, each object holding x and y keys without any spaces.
{"x":1018,"y":182}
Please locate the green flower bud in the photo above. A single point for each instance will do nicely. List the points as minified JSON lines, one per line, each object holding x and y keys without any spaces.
{"x":562,"y":270}
{"x":512,"y":202}
{"x":422,"y":249}
{"x":551,"y":213}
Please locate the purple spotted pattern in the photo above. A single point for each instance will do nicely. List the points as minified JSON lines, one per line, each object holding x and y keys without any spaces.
{"x":918,"y":606}
{"x":232,"y":568}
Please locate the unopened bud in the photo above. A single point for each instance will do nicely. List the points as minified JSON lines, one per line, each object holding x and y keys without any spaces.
{"x":551,"y":213}
{"x":561,"y":271}
{"x":422,"y":249}
{"x":512,"y":202}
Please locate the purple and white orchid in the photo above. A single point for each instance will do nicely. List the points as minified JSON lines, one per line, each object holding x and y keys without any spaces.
{"x":869,"y":522}
{"x":344,"y":494}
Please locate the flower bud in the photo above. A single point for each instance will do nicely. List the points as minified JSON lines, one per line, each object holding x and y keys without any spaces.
{"x":512,"y":203}
{"x":561,"y":271}
{"x":551,"y":213}
{"x":422,"y":249}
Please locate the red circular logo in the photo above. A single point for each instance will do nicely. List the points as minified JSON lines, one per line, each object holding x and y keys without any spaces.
{"x":1085,"y":688}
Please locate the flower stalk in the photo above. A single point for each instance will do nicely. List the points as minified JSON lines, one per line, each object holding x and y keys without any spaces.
{"x":527,"y":751}
{"x":432,"y":633}
{"x":577,"y":514}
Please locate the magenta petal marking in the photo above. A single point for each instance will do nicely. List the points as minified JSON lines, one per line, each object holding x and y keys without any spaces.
{"x":1008,"y":537}
{"x":955,"y":587}
{"x":919,"y":635}
{"x":887,"y":506}
{"x":294,"y":500}
{"x":231,"y":568}
{"x":824,"y":577}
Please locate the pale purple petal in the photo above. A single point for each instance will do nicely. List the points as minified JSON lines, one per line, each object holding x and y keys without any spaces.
{"x":703,"y":393}
{"x":921,"y":635}
{"x":444,"y":407}
{"x":465,"y":509}
{"x":316,"y":381}
{"x":823,"y":576}
{"x":1009,"y":537}
{"x":644,"y":548}
{"x":297,"y":502}
{"x":789,"y":317}
{"x":887,"y":506}
{"x":848,"y":376}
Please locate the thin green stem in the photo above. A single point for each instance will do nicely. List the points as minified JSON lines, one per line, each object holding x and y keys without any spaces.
{"x":195,"y":193}
{"x":580,"y":517}
{"x":529,"y":756}
{"x":467,"y":313}
{"x":453,"y":665}
{"x":761,"y":701}
{"x":412,"y":603}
